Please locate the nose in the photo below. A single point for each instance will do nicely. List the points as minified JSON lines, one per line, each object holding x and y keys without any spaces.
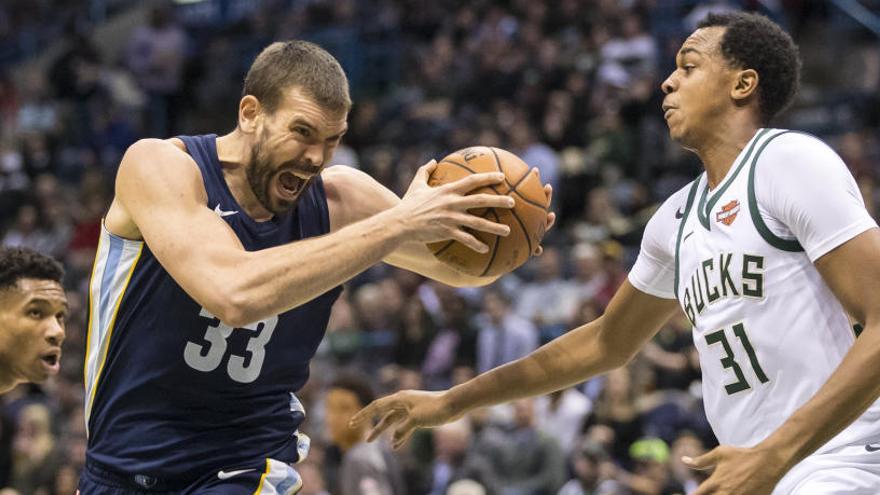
{"x":55,"y":334}
{"x":315,"y":155}
{"x":668,"y":86}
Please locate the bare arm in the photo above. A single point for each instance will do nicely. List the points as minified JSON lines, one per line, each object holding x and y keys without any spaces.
{"x":852,"y":271}
{"x":599,"y":346}
{"x":160,"y":189}
{"x":353,"y":196}
{"x":608,"y":342}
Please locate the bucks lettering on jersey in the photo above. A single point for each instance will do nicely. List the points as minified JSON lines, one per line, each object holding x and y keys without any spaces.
{"x":768,"y":329}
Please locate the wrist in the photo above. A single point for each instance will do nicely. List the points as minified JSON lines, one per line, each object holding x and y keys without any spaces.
{"x":391,"y":226}
{"x":778,"y":452}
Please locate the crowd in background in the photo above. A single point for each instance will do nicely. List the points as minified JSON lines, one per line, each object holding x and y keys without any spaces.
{"x":571,"y":86}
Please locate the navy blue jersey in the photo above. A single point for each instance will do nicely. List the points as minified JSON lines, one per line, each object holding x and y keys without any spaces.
{"x":170,"y":390}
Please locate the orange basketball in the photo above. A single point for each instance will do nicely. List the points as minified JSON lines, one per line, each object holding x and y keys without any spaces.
{"x":527,"y":219}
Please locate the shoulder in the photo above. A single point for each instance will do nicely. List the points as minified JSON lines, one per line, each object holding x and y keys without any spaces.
{"x":342,"y":179}
{"x":353,"y":195}
{"x":157,"y":156}
{"x":786,"y":152}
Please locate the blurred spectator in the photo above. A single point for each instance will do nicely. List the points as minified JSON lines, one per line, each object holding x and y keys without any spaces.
{"x":526,"y":462}
{"x":36,"y":456}
{"x":365,"y":468}
{"x":561,"y":415}
{"x":503,"y":336}
{"x":156,"y":54}
{"x":546,"y":300}
{"x":455,"y":459}
{"x":589,"y":479}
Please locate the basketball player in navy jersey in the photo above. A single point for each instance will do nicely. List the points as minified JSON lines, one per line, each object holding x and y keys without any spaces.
{"x":33,"y":307}
{"x":219,"y":261}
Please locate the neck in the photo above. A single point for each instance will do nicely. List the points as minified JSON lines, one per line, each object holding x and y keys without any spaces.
{"x":7,"y":380}
{"x":722,"y":144}
{"x":234,"y":153}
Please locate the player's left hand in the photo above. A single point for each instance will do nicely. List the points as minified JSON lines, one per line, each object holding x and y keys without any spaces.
{"x":551,"y":217}
{"x":737,"y":471}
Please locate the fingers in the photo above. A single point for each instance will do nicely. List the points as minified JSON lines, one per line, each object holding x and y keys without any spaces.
{"x":469,"y":241}
{"x":703,"y":462}
{"x":551,"y":220}
{"x":707,"y":488}
{"x":483,"y":225}
{"x":475,"y":181}
{"x":485,"y":201}
{"x":425,"y":170}
{"x":548,"y":191}
{"x":368,"y":413}
{"x":383,"y":425}
{"x":402,"y":434}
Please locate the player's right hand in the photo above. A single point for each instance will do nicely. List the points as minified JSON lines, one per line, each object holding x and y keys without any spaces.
{"x":433,"y":214}
{"x":404,"y":412}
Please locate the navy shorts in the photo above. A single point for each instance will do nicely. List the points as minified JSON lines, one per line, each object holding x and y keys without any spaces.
{"x":271,"y":478}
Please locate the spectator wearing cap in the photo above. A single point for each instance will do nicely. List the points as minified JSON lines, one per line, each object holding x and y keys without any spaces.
{"x":589,"y":478}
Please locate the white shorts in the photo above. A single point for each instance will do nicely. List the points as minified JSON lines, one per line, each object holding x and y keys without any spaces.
{"x":850,"y":470}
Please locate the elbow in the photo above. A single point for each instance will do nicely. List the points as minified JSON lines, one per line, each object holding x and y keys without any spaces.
{"x":229,"y":309}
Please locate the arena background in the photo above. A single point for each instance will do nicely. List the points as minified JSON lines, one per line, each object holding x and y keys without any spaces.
{"x":572,"y":86}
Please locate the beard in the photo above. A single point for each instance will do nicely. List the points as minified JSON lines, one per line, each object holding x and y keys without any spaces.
{"x":260,"y":175}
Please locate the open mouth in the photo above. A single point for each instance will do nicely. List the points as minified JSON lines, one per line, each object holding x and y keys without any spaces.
{"x":290,"y":186}
{"x":52,"y":361}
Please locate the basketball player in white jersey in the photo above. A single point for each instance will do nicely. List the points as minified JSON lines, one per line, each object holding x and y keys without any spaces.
{"x":765,"y":253}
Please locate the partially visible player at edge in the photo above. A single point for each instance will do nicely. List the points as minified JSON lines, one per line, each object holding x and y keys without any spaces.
{"x":33,"y":308}
{"x":218,"y":263}
{"x":765,"y":253}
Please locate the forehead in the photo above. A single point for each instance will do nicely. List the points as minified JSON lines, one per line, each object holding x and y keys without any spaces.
{"x":297,"y":104}
{"x":704,"y":40}
{"x":28,"y":289}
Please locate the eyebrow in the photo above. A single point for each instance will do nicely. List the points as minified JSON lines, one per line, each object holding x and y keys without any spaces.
{"x":305,"y":123}
{"x":46,"y":302}
{"x":684,"y":51}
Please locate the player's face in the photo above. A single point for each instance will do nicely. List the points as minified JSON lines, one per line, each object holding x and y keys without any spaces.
{"x":31,"y":330}
{"x":295,"y":143}
{"x":341,"y":405}
{"x":698,"y":91}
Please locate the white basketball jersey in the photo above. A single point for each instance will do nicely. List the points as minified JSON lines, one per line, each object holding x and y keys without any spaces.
{"x":739,"y":259}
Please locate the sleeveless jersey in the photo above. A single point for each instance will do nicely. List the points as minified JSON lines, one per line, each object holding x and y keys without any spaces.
{"x":173,"y":392}
{"x":768,"y":329}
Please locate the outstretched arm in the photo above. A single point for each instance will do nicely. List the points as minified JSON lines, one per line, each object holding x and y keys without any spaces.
{"x":160,"y":196}
{"x":601,"y":345}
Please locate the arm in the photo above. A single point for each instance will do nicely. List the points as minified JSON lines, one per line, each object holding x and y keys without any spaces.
{"x":159,"y":190}
{"x":610,"y":341}
{"x":353,"y":196}
{"x":852,"y":271}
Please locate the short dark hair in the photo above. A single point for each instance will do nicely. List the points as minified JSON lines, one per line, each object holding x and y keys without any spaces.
{"x":356,"y":384}
{"x":752,"y":41}
{"x":286,"y":64}
{"x":18,"y":263}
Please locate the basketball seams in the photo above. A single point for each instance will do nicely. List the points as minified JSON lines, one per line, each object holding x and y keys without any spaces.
{"x":527,"y":200}
{"x":510,"y":185}
{"x":494,"y":248}
{"x":525,"y":232}
{"x":475,"y":172}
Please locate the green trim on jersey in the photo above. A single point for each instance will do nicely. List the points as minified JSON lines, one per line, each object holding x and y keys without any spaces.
{"x":687,"y":209}
{"x":790,"y":245}
{"x":703,"y":209}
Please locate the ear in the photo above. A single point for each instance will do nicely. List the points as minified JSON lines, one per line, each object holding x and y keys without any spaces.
{"x":249,"y":113}
{"x":745,"y":85}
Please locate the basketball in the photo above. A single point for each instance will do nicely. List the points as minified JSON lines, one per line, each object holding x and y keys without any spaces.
{"x":527,"y":219}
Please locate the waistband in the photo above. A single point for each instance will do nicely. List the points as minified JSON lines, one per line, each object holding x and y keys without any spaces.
{"x":139,"y":481}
